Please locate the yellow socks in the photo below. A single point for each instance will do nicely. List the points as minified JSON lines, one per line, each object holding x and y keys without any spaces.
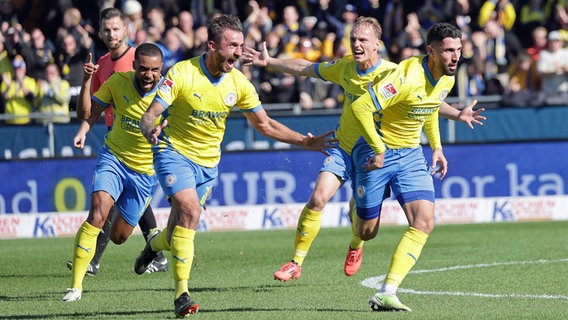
{"x":404,"y":257}
{"x":160,"y":242}
{"x":308,"y":228}
{"x":356,"y":242}
{"x":182,"y":249}
{"x":85,"y":246}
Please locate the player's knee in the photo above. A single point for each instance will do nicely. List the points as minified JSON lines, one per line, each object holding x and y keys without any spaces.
{"x":317,"y":202}
{"x":118,"y":239}
{"x":424,"y":225}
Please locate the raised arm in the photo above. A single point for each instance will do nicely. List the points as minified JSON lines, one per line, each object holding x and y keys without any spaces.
{"x":277,"y":131}
{"x":84,"y":102}
{"x":295,"y":66}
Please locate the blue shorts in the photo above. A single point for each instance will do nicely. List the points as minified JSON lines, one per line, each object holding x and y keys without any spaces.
{"x":405,"y":171}
{"x":176,"y":172}
{"x":130,"y":190}
{"x":339,"y":163}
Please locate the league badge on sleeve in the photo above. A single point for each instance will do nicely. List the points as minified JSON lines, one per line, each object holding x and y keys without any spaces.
{"x":166,"y":85}
{"x":388,"y":90}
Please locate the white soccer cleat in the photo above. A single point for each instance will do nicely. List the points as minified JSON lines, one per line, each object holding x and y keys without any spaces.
{"x":73,"y":294}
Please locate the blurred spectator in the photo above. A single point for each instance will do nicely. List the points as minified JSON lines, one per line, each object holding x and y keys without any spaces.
{"x":140,"y":37}
{"x":552,"y":66}
{"x":172,"y":48}
{"x":55,"y":96}
{"x":200,"y":41}
{"x":372,"y":8}
{"x":257,"y":23}
{"x":413,"y":36}
{"x":539,"y":42}
{"x":20,"y":92}
{"x":393,"y":23}
{"x":431,"y":12}
{"x":290,"y":25}
{"x":315,"y":91}
{"x":278,"y":87}
{"x":5,"y":60}
{"x":8,"y":15}
{"x":132,"y":9}
{"x":16,"y":45}
{"x":327,"y":22}
{"x":524,"y":83}
{"x":184,"y":28}
{"x":156,"y":23}
{"x":43,"y":54}
{"x":501,"y":11}
{"x":70,"y":60}
{"x":348,"y":17}
{"x":470,"y":79}
{"x":498,"y":48}
{"x":534,"y":13}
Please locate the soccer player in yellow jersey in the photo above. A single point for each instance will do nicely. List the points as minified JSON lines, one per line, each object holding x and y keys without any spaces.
{"x":391,"y":116}
{"x":196,"y":98}
{"x":353,"y":72}
{"x":124,"y":175}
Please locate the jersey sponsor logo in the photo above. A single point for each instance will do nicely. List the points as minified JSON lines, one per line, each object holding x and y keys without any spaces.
{"x":166,"y":85}
{"x":388,"y":91}
{"x":443,"y":95}
{"x":231,"y":99}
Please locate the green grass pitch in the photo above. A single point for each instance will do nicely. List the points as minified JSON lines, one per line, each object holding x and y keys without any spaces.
{"x":478,"y":271}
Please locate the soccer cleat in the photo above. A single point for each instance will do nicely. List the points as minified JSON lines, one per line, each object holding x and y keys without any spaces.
{"x":146,"y":256}
{"x":387,"y":302}
{"x":185,"y":306}
{"x":353,"y":261}
{"x":92,"y":270}
{"x":290,"y":270}
{"x":73,"y":294}
{"x":158,"y":265}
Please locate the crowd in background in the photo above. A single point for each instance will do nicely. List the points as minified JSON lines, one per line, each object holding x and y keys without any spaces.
{"x":511,"y":48}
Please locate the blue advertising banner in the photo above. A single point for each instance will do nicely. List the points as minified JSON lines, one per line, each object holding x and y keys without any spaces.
{"x":273,"y":177}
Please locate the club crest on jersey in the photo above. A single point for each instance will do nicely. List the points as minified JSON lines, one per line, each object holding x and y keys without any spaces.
{"x":360,"y":192}
{"x":170,"y":180}
{"x":166,"y":85}
{"x":443,"y":95}
{"x":388,"y":91}
{"x":231,"y":99}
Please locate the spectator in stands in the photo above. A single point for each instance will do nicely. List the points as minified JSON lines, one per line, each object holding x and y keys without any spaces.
{"x":314,"y":92}
{"x":5,"y":60}
{"x":501,"y":11}
{"x":55,"y":96}
{"x":393,"y":23}
{"x":431,"y":12}
{"x":172,"y":48}
{"x":552,"y":66}
{"x":16,"y":45}
{"x":43,"y":54}
{"x":290,"y":25}
{"x":20,"y":92}
{"x":183,"y":25}
{"x":348,"y":17}
{"x":156,"y":23}
{"x":413,"y":36}
{"x":70,"y":61}
{"x":524,"y":83}
{"x":540,"y":42}
{"x":498,"y":48}
{"x":132,"y":9}
{"x":534,"y":13}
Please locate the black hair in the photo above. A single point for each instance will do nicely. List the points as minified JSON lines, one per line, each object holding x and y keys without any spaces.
{"x":440,"y":31}
{"x":149,"y":50}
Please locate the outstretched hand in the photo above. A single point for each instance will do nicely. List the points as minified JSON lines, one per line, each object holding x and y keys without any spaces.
{"x":471,"y":117}
{"x":256,"y":58}
{"x":439,"y":163}
{"x":321,"y":142}
{"x":153,"y":135}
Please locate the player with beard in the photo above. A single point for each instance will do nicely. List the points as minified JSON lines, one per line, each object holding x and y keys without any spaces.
{"x":196,"y":98}
{"x":391,"y":117}
{"x":353,"y":72}
{"x":119,"y":58}
{"x":124,"y":175}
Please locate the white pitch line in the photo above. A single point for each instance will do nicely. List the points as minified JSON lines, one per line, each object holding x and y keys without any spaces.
{"x":375,"y":282}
